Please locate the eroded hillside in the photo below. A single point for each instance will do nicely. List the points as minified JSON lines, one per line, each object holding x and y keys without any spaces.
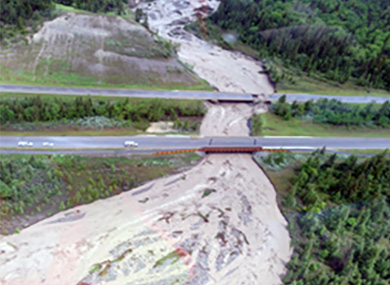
{"x":84,"y":49}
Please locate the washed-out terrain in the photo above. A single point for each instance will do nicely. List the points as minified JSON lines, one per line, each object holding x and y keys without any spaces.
{"x":217,"y":223}
{"x":228,"y":71}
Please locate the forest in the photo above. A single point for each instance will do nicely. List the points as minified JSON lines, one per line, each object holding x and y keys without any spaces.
{"x":338,"y":209}
{"x":342,"y":40}
{"x":132,"y":110}
{"x":16,"y":16}
{"x":334,"y":112}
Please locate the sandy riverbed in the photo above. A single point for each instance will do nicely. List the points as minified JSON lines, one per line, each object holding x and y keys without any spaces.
{"x":226,"y":70}
{"x":220,"y":217}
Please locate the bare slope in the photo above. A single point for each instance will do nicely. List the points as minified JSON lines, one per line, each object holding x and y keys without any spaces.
{"x":83,"y":49}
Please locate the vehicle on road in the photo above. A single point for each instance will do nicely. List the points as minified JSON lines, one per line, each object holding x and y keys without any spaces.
{"x":47,"y":144}
{"x":25,"y":143}
{"x":130,"y":144}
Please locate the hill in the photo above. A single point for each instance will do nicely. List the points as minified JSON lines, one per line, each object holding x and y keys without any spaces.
{"x":95,"y":50}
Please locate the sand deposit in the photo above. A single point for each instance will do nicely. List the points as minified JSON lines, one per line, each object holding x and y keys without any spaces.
{"x":221,"y":218}
{"x":161,"y":127}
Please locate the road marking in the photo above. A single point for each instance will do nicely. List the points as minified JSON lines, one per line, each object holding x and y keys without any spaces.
{"x":291,"y":147}
{"x":287,"y":137}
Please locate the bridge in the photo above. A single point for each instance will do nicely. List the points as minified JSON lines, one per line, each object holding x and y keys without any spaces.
{"x":211,"y":149}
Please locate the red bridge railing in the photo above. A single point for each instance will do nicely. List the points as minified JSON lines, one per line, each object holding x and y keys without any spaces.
{"x":216,"y":149}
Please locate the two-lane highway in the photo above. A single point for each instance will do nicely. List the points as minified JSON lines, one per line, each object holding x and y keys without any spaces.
{"x":79,"y":91}
{"x":191,"y":95}
{"x":181,"y":142}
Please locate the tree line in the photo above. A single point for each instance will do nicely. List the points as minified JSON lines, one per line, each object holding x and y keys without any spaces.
{"x":341,"y":39}
{"x":334,"y":112}
{"x":36,"y":109}
{"x":339,"y":220}
{"x":96,"y":5}
{"x":18,"y":12}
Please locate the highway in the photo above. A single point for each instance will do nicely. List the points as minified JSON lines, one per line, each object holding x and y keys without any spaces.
{"x":345,"y":99}
{"x":191,"y":95}
{"x":151,"y":143}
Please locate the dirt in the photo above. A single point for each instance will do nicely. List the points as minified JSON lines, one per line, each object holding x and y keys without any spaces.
{"x":161,"y":127}
{"x":84,"y":49}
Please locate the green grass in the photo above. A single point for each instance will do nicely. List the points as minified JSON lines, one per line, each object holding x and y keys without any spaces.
{"x":70,"y":132}
{"x":77,"y":81}
{"x":134,"y":100}
{"x":318,"y":85}
{"x":63,"y":8}
{"x":364,"y":151}
{"x":276,"y":126}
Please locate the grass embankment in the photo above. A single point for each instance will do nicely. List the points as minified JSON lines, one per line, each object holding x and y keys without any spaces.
{"x":362,"y":151}
{"x":273,"y":125}
{"x":338,"y":210}
{"x":33,"y":187}
{"x":74,"y":115}
{"x":326,"y":118}
{"x":294,"y":80}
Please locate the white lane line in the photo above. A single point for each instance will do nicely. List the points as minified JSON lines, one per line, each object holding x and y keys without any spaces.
{"x":287,"y":137}
{"x":290,"y":147}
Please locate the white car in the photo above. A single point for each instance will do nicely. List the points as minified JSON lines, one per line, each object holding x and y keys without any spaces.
{"x":24,"y":143}
{"x":47,"y":144}
{"x":130,"y":144}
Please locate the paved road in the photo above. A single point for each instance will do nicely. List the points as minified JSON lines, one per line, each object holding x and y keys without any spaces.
{"x":174,"y":142}
{"x":345,"y":99}
{"x":200,"y":95}
{"x":194,"y":95}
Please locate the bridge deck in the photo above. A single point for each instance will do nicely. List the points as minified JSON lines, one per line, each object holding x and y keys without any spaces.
{"x":212,"y":149}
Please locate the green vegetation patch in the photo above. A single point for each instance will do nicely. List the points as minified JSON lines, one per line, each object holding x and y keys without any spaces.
{"x":323,"y":118}
{"x":169,"y":259}
{"x":275,"y":126}
{"x":19,"y":18}
{"x":338,"y":208}
{"x":88,"y":113}
{"x":35,"y":186}
{"x":333,"y":112}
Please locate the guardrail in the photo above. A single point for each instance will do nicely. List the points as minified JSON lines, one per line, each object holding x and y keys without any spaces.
{"x":212,"y":149}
